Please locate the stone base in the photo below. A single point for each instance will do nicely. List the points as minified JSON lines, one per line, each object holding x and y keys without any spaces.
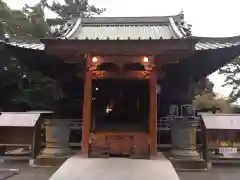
{"x":185,"y":154}
{"x":189,"y":164}
{"x":56,"y":151}
{"x":48,"y":161}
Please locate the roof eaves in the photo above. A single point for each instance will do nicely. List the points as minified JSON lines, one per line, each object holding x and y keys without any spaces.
{"x":70,"y":34}
{"x":175,"y":28}
{"x":206,"y":43}
{"x":33,"y":46}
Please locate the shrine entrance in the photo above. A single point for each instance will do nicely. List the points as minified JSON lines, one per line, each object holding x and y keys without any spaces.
{"x":119,"y":117}
{"x":120,"y":105}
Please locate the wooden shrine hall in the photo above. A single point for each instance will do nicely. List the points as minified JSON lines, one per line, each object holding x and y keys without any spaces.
{"x":133,"y":69}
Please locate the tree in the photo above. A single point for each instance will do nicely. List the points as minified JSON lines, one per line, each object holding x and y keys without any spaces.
{"x":71,"y":9}
{"x":29,"y":23}
{"x":204,"y":86}
{"x":14,"y":76}
{"x":6,"y":20}
{"x":35,"y":15}
{"x":206,"y":101}
{"x":37,"y":92}
{"x":232,"y":73}
{"x":206,"y":98}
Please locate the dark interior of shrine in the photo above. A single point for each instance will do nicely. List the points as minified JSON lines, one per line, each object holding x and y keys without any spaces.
{"x":120,"y":105}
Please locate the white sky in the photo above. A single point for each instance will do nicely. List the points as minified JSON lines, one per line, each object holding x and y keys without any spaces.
{"x":215,"y":18}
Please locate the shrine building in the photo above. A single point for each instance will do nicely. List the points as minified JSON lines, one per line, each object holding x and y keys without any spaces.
{"x":134,"y":71}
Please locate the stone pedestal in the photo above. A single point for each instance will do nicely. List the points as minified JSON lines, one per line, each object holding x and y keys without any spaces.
{"x":184,"y":154}
{"x":183,"y":135}
{"x":57,"y":137}
{"x":57,"y":149}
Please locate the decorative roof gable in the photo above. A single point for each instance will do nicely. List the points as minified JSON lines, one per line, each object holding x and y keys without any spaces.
{"x":129,"y":28}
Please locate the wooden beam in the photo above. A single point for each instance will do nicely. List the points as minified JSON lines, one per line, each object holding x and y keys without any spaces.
{"x":87,"y":105}
{"x":120,"y":75}
{"x":120,"y":47}
{"x":153,"y":113}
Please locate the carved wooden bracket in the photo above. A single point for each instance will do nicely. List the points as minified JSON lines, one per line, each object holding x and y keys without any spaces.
{"x":121,"y":61}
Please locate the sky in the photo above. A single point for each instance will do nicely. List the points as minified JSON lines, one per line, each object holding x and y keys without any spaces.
{"x":210,"y":18}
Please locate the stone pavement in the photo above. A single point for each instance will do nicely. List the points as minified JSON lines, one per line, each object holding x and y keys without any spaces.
{"x":217,"y":173}
{"x":81,"y":168}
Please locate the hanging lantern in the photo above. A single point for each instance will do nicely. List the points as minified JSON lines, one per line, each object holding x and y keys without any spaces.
{"x":94,"y":59}
{"x":145,"y":59}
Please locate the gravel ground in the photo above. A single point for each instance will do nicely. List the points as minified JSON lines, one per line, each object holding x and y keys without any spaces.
{"x":28,"y":173}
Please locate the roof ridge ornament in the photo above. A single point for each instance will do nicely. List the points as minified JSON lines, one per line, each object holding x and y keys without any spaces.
{"x":181,"y":14}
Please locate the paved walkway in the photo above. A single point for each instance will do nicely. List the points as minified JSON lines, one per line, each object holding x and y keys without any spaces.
{"x":80,"y":168}
{"x":225,"y":172}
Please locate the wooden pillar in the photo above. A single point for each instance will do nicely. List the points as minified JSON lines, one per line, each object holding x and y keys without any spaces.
{"x":153,"y":113}
{"x":87,"y":105}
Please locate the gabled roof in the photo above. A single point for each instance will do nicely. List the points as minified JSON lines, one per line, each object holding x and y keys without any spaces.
{"x":134,"y":28}
{"x":126,"y":28}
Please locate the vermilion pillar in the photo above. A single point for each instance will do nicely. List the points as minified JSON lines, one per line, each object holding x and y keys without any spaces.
{"x":153,"y":112}
{"x":87,"y":103}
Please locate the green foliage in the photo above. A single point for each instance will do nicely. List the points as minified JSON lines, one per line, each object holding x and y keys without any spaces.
{"x":71,"y":9}
{"x":232,"y":73}
{"x":204,"y":86}
{"x":29,"y":22}
{"x":21,"y":87}
{"x":37,"y":92}
{"x":5,"y":18}
{"x":207,"y":101}
{"x":206,"y":98}
{"x":35,"y":15}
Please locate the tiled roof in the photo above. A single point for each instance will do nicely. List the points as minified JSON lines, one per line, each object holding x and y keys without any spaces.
{"x":216,"y":43}
{"x":124,"y":28}
{"x":124,"y":32}
{"x":222,"y":121}
{"x":35,"y":46}
{"x":133,"y":28}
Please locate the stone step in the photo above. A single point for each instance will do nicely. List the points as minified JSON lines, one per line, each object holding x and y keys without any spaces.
{"x":189,"y":164}
{"x":42,"y":161}
{"x":98,"y":155}
{"x":99,"y":152}
{"x":140,"y":157}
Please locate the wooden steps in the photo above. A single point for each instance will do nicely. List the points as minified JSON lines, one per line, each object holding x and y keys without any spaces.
{"x":119,"y":144}
{"x":98,"y":151}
